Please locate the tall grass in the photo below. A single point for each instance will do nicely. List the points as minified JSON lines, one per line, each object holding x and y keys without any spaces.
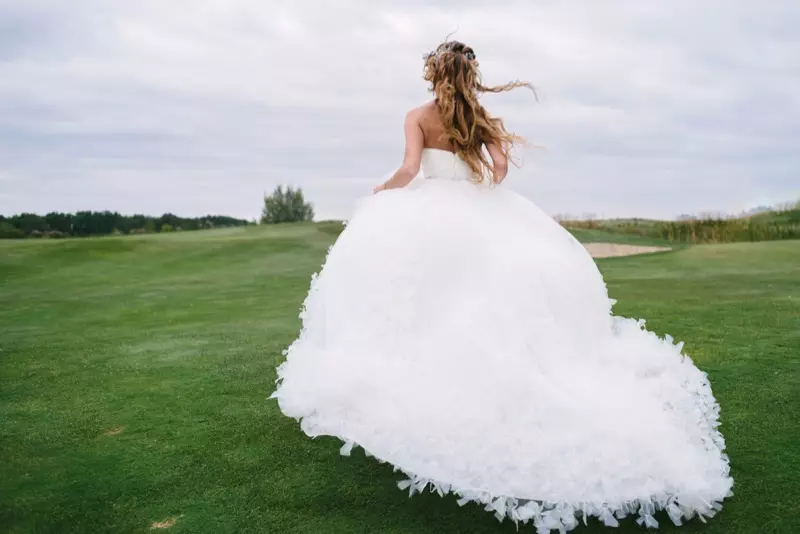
{"x":769,"y":226}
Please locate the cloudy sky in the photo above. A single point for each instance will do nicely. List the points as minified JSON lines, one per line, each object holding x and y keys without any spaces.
{"x":198,"y":106}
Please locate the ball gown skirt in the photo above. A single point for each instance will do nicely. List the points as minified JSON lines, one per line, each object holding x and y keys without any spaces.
{"x":462,"y":335}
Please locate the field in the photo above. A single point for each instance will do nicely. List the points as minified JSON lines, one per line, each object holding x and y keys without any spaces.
{"x":135,"y":375}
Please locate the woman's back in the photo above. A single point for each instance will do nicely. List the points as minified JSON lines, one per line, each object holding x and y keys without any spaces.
{"x":456,"y":121}
{"x":432,"y":126}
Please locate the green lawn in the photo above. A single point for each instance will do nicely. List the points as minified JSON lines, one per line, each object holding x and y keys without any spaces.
{"x":136,"y":370}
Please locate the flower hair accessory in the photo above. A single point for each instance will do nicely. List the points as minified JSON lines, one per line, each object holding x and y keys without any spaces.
{"x":454,"y":47}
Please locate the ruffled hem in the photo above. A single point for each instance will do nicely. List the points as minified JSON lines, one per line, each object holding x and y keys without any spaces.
{"x":562,"y":516}
{"x":548,"y":516}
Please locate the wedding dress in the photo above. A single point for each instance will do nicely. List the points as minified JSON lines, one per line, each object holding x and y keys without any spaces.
{"x":459,"y":333}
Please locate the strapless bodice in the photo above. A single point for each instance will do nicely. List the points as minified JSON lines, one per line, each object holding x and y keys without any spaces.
{"x":444,"y":165}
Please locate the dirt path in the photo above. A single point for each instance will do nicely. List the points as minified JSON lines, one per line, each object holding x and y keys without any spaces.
{"x":609,"y":250}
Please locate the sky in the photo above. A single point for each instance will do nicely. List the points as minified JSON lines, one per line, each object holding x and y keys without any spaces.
{"x":648,"y":109}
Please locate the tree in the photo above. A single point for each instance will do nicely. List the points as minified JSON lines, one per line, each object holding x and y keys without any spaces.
{"x":28,"y":222}
{"x":286,"y":205}
{"x":61,"y":222}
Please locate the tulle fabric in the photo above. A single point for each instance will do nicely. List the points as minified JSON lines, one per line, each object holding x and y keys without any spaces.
{"x":459,"y":333}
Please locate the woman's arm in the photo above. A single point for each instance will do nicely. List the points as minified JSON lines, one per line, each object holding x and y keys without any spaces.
{"x":413,"y":155}
{"x":499,"y":163}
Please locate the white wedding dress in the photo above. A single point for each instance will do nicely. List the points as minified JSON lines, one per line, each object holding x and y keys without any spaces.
{"x":459,"y":333}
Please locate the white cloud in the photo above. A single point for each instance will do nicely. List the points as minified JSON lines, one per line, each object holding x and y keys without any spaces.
{"x":651,"y":109}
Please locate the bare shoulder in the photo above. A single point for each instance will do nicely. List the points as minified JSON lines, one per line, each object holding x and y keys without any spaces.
{"x":415,"y":115}
{"x":422,"y":113}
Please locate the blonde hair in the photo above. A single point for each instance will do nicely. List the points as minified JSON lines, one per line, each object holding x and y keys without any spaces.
{"x":455,"y":79}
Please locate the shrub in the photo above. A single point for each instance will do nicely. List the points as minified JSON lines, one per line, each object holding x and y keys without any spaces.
{"x":8,"y":231}
{"x":763,"y":226}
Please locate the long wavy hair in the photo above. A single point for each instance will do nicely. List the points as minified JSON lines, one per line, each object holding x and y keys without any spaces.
{"x":455,"y":79}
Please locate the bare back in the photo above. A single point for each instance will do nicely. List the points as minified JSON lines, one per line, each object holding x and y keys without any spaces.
{"x":424,"y":128}
{"x":430,"y":122}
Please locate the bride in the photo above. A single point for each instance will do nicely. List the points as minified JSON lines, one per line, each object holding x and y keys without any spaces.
{"x":459,"y":333}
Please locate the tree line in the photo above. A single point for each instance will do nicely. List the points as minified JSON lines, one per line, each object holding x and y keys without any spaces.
{"x":282,"y":206}
{"x":97,"y":223}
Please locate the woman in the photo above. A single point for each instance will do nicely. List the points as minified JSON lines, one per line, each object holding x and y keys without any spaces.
{"x":459,"y":333}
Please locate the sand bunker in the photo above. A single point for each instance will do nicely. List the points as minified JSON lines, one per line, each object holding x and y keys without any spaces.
{"x":609,"y":250}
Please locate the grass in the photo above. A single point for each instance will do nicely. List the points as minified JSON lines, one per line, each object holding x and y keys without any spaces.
{"x":135,"y":374}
